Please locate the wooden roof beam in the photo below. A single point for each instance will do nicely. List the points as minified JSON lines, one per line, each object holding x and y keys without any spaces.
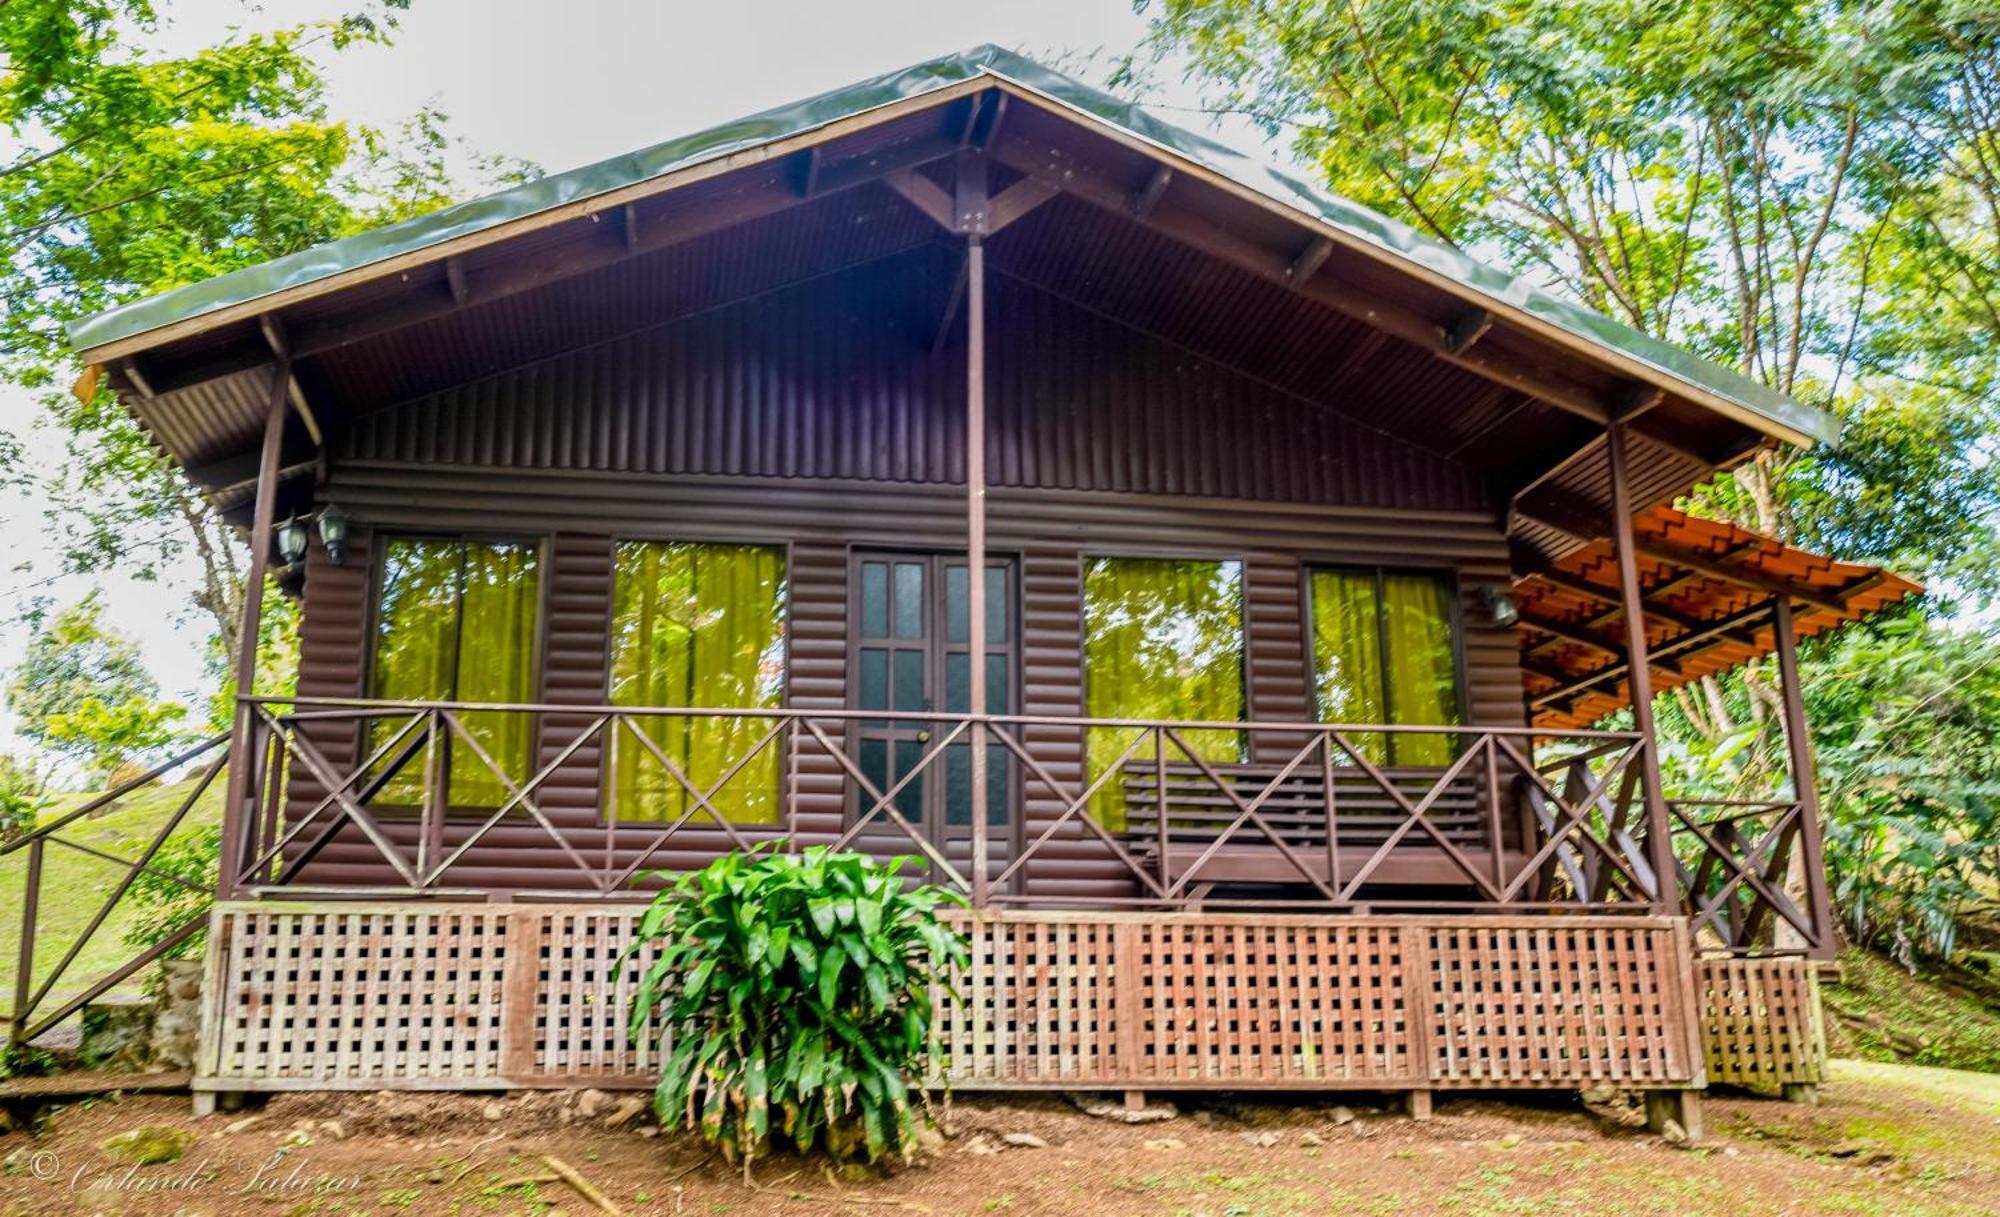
{"x":275,"y":337}
{"x":1672,"y":648}
{"x":1096,"y":187}
{"x":1742,"y":576}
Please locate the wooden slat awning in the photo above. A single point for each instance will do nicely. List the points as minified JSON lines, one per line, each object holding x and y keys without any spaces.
{"x":1707,"y":590}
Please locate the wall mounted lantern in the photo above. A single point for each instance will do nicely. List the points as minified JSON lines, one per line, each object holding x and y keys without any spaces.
{"x":1500,"y":607}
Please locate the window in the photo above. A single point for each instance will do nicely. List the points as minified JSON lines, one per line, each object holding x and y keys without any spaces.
{"x":1162,"y":639}
{"x":698,"y":625}
{"x":1384,"y":651}
{"x":457,"y":623}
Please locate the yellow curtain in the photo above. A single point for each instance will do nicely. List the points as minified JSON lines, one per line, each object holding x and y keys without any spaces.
{"x":698,"y":625}
{"x":1423,"y":667}
{"x":1163,"y":639}
{"x":457,"y":623}
{"x":1363,"y":619}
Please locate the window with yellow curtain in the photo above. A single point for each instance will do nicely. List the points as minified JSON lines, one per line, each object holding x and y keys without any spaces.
{"x":1162,"y":639}
{"x":1384,"y":652}
{"x":698,"y":625}
{"x":457,"y":622}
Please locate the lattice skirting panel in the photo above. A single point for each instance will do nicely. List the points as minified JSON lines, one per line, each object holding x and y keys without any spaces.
{"x":1761,"y":1021}
{"x":347,"y":996}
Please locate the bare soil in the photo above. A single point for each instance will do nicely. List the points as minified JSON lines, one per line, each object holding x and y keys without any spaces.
{"x":1886,"y":1139}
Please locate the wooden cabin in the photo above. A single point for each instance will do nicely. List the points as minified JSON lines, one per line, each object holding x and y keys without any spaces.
{"x":1222,"y":586}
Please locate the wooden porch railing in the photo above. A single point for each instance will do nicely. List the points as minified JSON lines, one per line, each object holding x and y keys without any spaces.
{"x":37,"y":1008}
{"x":1734,"y":862}
{"x":1512,"y":820}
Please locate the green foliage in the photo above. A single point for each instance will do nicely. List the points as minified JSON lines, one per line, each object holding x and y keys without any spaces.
{"x":160,"y":906}
{"x":24,"y":795}
{"x":795,"y":994}
{"x":83,"y":693}
{"x":134,"y":172}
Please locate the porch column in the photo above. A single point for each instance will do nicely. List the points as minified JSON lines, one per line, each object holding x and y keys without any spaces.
{"x":1639,"y":679}
{"x":1805,"y":780}
{"x":236,"y":815}
{"x":975,"y":546}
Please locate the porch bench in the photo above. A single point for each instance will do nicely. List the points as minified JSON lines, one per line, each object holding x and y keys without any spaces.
{"x":1364,"y":816}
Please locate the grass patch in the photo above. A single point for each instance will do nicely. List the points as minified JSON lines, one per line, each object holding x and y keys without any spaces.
{"x":1879,"y":1012}
{"x":74,"y":884}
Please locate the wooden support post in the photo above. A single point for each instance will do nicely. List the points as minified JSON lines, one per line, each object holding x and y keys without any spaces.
{"x":975,"y":542}
{"x":236,"y":811}
{"x":1681,"y":1107}
{"x":1420,"y":1104}
{"x":31,"y":899}
{"x":1639,"y":679}
{"x":1805,"y":779}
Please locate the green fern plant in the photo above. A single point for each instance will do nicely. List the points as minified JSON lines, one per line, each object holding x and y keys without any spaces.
{"x":795,"y":1000}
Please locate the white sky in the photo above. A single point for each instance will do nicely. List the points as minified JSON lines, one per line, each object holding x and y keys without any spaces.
{"x":560,"y":84}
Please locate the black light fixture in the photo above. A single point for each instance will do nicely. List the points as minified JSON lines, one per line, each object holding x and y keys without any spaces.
{"x":1500,"y":606}
{"x":333,"y":533}
{"x":291,"y":540}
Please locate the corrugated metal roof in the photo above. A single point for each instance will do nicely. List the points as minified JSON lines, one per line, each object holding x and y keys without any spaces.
{"x":1581,"y":597}
{"x":1405,"y":245}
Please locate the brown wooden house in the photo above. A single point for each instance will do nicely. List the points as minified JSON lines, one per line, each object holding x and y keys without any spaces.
{"x":1217,"y":582}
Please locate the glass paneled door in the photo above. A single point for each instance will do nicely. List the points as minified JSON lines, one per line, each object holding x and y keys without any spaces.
{"x":911,"y":651}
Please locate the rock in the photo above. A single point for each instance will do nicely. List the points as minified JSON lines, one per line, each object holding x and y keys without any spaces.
{"x":650,"y":1130}
{"x":590,"y":1102}
{"x":626,"y":1110}
{"x":1164,"y":1145}
{"x":928,"y":1139}
{"x":1511,"y":1141}
{"x":148,"y":1144}
{"x":241,"y":1126}
{"x":1024,"y":1140}
{"x":494,"y":1111}
{"x":1672,"y":1133}
{"x":1262,"y":1140}
{"x":978,"y":1144}
{"x":334,"y":1129}
{"x":1309,"y":1139}
{"x":1341,"y":1115}
{"x":117,"y":1033}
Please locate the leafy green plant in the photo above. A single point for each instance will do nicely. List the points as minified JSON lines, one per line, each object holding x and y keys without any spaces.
{"x":795,"y":1000}
{"x":160,"y":906}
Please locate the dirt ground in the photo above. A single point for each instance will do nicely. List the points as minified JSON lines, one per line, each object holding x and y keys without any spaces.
{"x":1887,"y":1139}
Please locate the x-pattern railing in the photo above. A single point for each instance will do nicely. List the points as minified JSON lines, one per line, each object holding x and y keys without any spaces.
{"x":30,"y":1019}
{"x":1734,"y":859}
{"x":422,"y":735}
{"x":1323,"y":822}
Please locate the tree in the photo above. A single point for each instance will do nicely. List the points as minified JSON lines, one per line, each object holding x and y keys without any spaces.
{"x":1806,"y":190}
{"x":83,"y":693}
{"x":129,"y":174}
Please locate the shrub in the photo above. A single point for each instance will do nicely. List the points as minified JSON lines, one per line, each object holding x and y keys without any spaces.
{"x":795,"y":993}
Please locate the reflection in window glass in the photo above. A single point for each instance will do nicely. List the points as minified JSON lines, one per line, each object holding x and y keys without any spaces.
{"x":457,"y":623}
{"x":1383,"y":652}
{"x":698,"y":625}
{"x":1163,"y":639}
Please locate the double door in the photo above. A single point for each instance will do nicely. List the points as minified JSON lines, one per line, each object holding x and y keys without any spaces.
{"x":911,"y":651}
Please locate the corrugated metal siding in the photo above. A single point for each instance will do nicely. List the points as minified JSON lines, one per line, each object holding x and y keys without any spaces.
{"x":821,"y":381}
{"x":822,"y":521}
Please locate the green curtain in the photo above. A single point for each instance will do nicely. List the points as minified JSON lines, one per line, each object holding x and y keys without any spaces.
{"x":698,"y":625}
{"x":1365,"y":619}
{"x":457,"y":623}
{"x":1163,"y":639}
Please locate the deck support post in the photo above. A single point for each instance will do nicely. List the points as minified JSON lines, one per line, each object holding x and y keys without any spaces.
{"x":1682,"y":1107}
{"x":975,"y":538}
{"x":1419,"y":1102}
{"x":1639,"y":679}
{"x":236,"y":812}
{"x":1805,"y":779}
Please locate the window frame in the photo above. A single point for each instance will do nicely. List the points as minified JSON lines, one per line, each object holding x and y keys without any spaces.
{"x":780,"y":825}
{"x":379,"y":541}
{"x":1454,"y":582}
